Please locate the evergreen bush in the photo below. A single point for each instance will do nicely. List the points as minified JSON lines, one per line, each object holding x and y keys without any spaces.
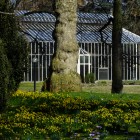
{"x":15,"y":44}
{"x":4,"y":76}
{"x":90,"y":78}
{"x":13,"y":53}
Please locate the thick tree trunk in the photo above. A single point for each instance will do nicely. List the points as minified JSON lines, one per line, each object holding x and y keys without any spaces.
{"x":64,"y":75}
{"x":117,"y":84}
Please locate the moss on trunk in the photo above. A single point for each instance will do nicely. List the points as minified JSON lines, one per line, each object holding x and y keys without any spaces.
{"x":65,"y":82}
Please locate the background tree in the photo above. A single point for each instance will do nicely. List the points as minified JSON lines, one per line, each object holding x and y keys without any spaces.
{"x":117,"y":84}
{"x":131,"y":16}
{"x":64,"y":76}
{"x":46,"y":5}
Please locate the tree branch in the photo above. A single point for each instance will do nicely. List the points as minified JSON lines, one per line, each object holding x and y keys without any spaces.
{"x":6,"y":13}
{"x":103,"y":27}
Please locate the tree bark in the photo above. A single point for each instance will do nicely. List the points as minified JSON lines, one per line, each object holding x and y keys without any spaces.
{"x":64,"y":76}
{"x":117,"y":84}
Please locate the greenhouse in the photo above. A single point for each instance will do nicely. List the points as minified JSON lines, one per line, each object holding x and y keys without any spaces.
{"x":95,"y":50}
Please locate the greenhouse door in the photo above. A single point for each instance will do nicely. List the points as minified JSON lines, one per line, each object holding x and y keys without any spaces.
{"x":84,"y":64}
{"x":103,"y":73}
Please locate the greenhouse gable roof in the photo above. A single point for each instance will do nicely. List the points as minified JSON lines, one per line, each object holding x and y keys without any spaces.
{"x":41,"y":25}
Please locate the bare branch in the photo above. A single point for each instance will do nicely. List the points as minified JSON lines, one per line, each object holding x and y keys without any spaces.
{"x":6,"y":13}
{"x":103,"y":27}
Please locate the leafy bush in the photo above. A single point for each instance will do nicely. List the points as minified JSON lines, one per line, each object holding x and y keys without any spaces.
{"x":4,"y":76}
{"x":14,"y":44}
{"x":131,"y":82}
{"x":102,"y":83}
{"x":90,"y":78}
{"x":13,"y":53}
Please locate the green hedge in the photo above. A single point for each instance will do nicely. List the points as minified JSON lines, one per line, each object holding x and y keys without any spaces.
{"x":4,"y":76}
{"x":90,"y":78}
{"x":56,"y":116}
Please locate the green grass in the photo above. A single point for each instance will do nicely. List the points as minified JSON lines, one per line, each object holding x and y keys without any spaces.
{"x":29,"y":86}
{"x":121,"y":137}
{"x":130,"y":89}
{"x":101,"y":87}
{"x":105,"y":96}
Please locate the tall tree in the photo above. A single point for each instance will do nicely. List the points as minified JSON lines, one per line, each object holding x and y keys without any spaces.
{"x":117,"y":84}
{"x":64,"y":75}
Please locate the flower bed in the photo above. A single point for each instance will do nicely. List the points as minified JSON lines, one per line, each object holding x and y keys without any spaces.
{"x":46,"y":115}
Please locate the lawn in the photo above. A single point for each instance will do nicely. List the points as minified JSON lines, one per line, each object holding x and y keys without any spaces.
{"x":99,"y":87}
{"x":129,"y":89}
{"x":29,"y":86}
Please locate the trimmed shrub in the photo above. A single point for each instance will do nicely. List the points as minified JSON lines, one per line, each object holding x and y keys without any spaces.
{"x":90,"y":78}
{"x":4,"y":76}
{"x":15,"y":44}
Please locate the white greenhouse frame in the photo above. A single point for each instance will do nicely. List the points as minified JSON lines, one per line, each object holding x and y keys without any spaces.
{"x":97,"y":59}
{"x":39,"y":27}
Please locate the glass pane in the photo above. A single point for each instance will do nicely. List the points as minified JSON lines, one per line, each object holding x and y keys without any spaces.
{"x":103,"y":74}
{"x":86,"y":69}
{"x":33,"y":48}
{"x":81,"y":59}
{"x":41,"y":66}
{"x":51,"y":48}
{"x":86,"y":59}
{"x":86,"y":47}
{"x":82,"y":72}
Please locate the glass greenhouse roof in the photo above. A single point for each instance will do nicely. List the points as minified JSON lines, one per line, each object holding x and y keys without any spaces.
{"x":41,"y":25}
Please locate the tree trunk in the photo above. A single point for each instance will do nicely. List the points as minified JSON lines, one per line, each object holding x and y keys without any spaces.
{"x":64,"y":75}
{"x":117,"y":84}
